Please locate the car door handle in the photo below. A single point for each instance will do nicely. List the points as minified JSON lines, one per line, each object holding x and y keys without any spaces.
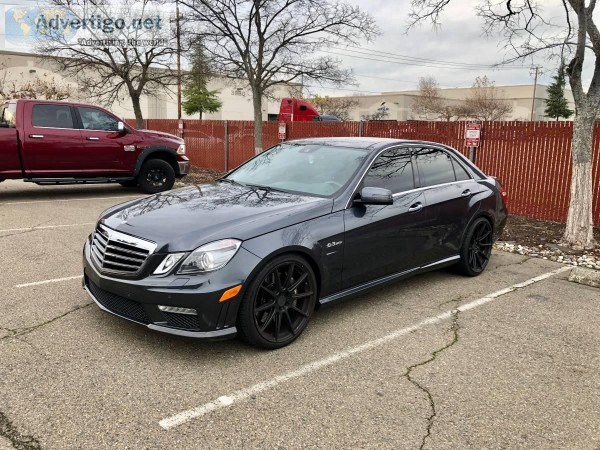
{"x":36,"y":136}
{"x":416,"y":207}
{"x":466,"y":193}
{"x":92,"y":138}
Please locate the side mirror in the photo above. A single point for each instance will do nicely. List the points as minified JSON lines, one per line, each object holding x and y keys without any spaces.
{"x":121,"y":127}
{"x":376,"y":196}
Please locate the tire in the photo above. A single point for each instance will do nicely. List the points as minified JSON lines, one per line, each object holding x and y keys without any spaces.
{"x":278,"y":303}
{"x":476,"y":248}
{"x":129,"y":183}
{"x":156,"y":175}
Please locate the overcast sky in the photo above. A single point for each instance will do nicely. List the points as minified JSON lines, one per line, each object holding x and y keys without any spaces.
{"x":460,"y":39}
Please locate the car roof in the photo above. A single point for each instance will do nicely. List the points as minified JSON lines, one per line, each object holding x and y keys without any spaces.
{"x":52,"y":102}
{"x":367,"y":143}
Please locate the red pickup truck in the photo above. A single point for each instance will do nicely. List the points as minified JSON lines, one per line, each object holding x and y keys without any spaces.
{"x":52,"y":142}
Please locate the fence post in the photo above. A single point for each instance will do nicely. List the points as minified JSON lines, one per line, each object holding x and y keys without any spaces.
{"x":360,"y":128}
{"x":226,"y":147}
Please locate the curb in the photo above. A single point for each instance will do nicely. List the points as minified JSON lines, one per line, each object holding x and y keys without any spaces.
{"x":584,"y":276}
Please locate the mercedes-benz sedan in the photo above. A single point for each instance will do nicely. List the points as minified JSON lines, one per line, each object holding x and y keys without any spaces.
{"x":303,"y":224}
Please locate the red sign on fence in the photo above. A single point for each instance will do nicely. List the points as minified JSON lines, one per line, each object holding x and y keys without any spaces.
{"x":472,"y":134}
{"x":282,"y":129}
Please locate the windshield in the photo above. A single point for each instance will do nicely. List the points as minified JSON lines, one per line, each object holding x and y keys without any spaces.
{"x":309,"y":169}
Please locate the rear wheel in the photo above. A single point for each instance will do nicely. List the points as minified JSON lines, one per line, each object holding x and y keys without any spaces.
{"x":156,"y":175}
{"x":278,"y":303}
{"x":476,"y":248}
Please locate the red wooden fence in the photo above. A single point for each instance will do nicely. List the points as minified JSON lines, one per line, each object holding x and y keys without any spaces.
{"x":532,"y":159}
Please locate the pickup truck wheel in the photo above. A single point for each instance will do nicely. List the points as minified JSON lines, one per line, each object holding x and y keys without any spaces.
{"x":155,"y":176}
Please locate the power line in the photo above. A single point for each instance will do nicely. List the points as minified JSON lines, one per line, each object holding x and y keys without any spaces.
{"x":372,"y":52}
{"x":413,"y":82}
{"x":342,"y":89}
{"x":424,"y":65}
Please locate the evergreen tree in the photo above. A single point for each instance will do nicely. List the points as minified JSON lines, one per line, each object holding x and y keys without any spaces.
{"x":557,"y":105}
{"x":197,"y":98}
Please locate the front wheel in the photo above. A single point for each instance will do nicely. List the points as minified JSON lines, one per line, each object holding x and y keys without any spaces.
{"x":278,"y":303}
{"x":476,"y":248}
{"x":156,"y":175}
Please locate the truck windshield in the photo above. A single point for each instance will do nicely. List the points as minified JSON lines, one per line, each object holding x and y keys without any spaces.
{"x":315,"y":169}
{"x":7,"y":115}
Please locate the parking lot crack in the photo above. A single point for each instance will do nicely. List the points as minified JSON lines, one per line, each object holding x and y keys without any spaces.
{"x":18,"y":440}
{"x":30,"y":230}
{"x":454,"y":328}
{"x":2,"y":236}
{"x":455,"y":301}
{"x":26,"y":330}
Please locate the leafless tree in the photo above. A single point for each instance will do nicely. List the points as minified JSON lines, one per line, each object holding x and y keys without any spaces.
{"x":44,"y":87}
{"x":484,"y":102}
{"x":562,"y":28}
{"x":341,"y":107}
{"x":269,"y":42}
{"x":429,"y":104}
{"x":114,"y":64}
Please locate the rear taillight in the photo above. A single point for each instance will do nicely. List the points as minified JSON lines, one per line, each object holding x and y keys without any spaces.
{"x":503,"y":192}
{"x":504,"y":196}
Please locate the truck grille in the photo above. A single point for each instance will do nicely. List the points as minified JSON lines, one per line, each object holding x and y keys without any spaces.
{"x":116,"y":252}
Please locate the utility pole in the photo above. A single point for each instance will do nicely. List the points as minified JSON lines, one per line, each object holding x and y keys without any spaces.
{"x":534,"y":89}
{"x":178,"y":30}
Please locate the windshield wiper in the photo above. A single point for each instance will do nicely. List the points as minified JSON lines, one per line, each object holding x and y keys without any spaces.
{"x":231,"y":181}
{"x":266,"y":188}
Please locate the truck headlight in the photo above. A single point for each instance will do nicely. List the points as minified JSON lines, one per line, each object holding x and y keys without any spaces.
{"x":181,"y":149}
{"x":210,"y":257}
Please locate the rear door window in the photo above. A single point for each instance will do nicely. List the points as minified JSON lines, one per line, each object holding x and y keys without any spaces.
{"x":461,"y":173}
{"x":52,"y":116}
{"x":435,"y":166}
{"x":392,"y":170}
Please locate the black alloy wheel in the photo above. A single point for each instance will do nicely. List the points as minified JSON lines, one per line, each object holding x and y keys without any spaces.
{"x":476,"y":250}
{"x":156,"y":175}
{"x":279,"y":303}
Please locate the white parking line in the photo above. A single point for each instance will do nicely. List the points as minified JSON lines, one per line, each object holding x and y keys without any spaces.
{"x":68,"y":200}
{"x":243,"y":394}
{"x":53,"y":280}
{"x":6,"y":230}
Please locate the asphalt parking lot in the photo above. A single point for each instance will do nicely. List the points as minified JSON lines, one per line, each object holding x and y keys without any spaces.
{"x":509,"y":359}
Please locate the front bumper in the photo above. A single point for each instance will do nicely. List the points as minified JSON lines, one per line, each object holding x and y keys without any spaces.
{"x":184,"y":165}
{"x":137,"y":300}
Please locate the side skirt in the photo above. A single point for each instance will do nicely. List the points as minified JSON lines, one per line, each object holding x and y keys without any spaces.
{"x":356,"y":290}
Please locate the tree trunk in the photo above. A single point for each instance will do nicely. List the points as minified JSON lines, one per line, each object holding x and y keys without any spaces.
{"x":137,"y":110}
{"x":580,"y":230}
{"x":258,"y":131}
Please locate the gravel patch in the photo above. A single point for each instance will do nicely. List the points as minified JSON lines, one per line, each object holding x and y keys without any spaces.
{"x":553,"y":252}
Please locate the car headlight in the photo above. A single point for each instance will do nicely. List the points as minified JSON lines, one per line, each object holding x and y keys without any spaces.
{"x":210,"y":257}
{"x":168,"y":263}
{"x":181,"y":149}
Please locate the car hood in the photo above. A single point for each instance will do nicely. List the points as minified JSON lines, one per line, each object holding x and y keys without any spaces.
{"x":184,"y":219}
{"x":150,"y":135}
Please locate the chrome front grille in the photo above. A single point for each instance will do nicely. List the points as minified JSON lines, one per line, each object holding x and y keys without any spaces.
{"x":117,"y":252}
